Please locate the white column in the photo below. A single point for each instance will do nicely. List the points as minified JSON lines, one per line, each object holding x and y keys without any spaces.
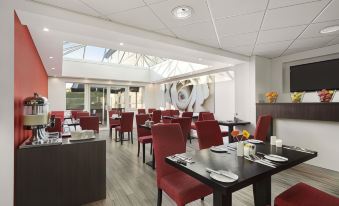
{"x":7,"y":103}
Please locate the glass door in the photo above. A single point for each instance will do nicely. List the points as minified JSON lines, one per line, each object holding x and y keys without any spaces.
{"x":117,"y":98}
{"x":98,"y":102}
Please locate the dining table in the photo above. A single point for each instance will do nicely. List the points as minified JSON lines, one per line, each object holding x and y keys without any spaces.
{"x":72,"y":122}
{"x":231,"y":124}
{"x":249,"y":172}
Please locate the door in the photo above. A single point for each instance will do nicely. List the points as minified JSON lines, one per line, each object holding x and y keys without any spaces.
{"x":98,"y":102}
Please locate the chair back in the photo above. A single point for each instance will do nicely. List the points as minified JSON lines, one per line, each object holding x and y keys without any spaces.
{"x":167,"y":140}
{"x":59,"y":114}
{"x":166,"y":113}
{"x":263,"y":127}
{"x":156,"y":116}
{"x":57,"y":126}
{"x":208,"y":116}
{"x":187,"y":114}
{"x":126,"y":121}
{"x":141,"y":111}
{"x":112,"y":121}
{"x":209,"y":134}
{"x":175,"y":112}
{"x":82,"y":114}
{"x":185,"y":124}
{"x":110,"y":113}
{"x":200,"y":117}
{"x":151,"y":110}
{"x":89,"y":123}
{"x":74,"y":113}
{"x":141,"y":119}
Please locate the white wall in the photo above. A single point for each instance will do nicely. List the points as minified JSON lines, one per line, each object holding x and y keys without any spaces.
{"x":224,"y":100}
{"x":7,"y":106}
{"x":57,"y":94}
{"x":318,"y":135}
{"x":81,"y":69}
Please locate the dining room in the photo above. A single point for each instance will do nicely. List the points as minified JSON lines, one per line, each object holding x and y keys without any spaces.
{"x":166,"y":102}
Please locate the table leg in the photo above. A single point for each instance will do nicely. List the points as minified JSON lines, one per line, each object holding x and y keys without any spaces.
{"x":221,"y":199}
{"x":230,"y":130}
{"x":262,"y":192}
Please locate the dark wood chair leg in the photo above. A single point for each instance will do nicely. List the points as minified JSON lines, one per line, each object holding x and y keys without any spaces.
{"x":189,"y":136}
{"x":121,"y":137}
{"x":151,"y":150}
{"x":153,"y":160}
{"x":202,"y":199}
{"x":138,"y":148}
{"x":143,"y":152}
{"x":110,"y":132}
{"x":132,"y":137}
{"x":116,"y":138}
{"x":159,"y":197}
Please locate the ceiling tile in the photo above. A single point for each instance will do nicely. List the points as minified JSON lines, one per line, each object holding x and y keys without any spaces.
{"x":238,"y":40}
{"x":165,"y":31}
{"x":153,"y":1}
{"x":283,"y":34}
{"x":240,"y":24}
{"x":314,"y":29}
{"x":244,"y":50}
{"x":73,"y":5}
{"x":309,"y":44}
{"x":271,"y":50}
{"x":141,"y":17}
{"x":334,"y":41}
{"x":292,"y":15}
{"x":222,"y":9}
{"x":330,"y":13}
{"x":283,"y":3}
{"x":164,"y":11}
{"x":197,"y":32}
{"x":112,"y":6}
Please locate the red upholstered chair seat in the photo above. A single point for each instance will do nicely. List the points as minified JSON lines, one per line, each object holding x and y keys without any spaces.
{"x":305,"y":195}
{"x":224,"y":133}
{"x":145,"y":139}
{"x":190,"y":189}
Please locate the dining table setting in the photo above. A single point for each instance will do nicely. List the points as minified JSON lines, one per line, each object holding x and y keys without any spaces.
{"x":225,"y":171}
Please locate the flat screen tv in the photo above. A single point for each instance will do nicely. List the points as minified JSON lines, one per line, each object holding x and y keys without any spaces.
{"x":315,"y":76}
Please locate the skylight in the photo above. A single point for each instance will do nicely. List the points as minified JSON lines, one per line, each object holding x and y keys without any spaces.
{"x":163,"y":67}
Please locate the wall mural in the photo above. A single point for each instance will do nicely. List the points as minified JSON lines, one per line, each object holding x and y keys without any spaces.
{"x":195,"y":95}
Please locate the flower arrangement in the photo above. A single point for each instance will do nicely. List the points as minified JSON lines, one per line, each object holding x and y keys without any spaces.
{"x":271,"y":97}
{"x":245,"y":134}
{"x":297,"y":97}
{"x":326,"y":95}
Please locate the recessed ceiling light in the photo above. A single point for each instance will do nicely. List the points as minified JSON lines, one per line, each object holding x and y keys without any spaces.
{"x":230,"y":65}
{"x":51,"y":57}
{"x":52,"y":68}
{"x":121,"y":44}
{"x":46,"y":29}
{"x":200,"y":59}
{"x":329,"y":29}
{"x":182,"y":12}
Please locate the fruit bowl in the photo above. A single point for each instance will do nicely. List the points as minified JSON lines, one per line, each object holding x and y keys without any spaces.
{"x":325,"y":95}
{"x":297,"y":97}
{"x":271,"y":97}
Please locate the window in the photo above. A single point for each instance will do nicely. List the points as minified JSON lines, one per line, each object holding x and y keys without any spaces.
{"x":135,"y":97}
{"x":75,"y":96}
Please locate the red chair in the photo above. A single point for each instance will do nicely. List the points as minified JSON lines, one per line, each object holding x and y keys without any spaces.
{"x":90,"y":123}
{"x":113,"y":123}
{"x":144,"y":135}
{"x":200,"y":118}
{"x":305,"y":195}
{"x":166,"y":113}
{"x":141,"y":111}
{"x":126,"y":125}
{"x":175,"y":113}
{"x":151,"y":110}
{"x":187,"y":114}
{"x":185,"y":124}
{"x":74,"y":113}
{"x":156,"y":116}
{"x":209,"y":134}
{"x":57,"y":126}
{"x":210,"y":116}
{"x":182,"y":188}
{"x":59,"y":114}
{"x":263,"y":127}
{"x":82,"y":114}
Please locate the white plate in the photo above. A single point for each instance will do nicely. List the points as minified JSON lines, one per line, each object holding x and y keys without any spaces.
{"x":254,"y":141}
{"x":81,"y":139}
{"x":222,"y":178}
{"x":220,"y":148}
{"x":276,"y":158}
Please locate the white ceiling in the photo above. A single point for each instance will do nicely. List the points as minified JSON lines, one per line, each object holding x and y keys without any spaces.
{"x":269,"y":28}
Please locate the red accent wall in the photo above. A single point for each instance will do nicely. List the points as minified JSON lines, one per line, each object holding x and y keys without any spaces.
{"x":29,"y":76}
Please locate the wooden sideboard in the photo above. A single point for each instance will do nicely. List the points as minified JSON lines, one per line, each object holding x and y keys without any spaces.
{"x":61,"y":175}
{"x":304,"y":111}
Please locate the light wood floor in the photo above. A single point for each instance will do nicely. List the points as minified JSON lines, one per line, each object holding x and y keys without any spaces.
{"x":130,"y":182}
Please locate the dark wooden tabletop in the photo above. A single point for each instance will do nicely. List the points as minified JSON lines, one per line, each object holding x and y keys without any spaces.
{"x":248,"y":172}
{"x":233,"y":123}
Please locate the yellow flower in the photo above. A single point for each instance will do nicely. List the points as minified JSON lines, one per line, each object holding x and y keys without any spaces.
{"x":246,"y":134}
